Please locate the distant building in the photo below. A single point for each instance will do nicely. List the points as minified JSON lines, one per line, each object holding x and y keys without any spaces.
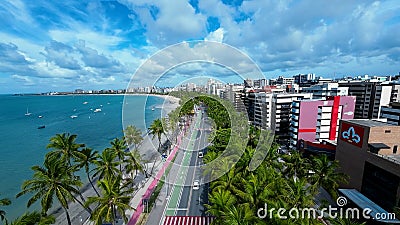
{"x":304,"y":78}
{"x":318,"y":120}
{"x":285,"y":80}
{"x":370,"y":97}
{"x":324,"y":90}
{"x":368,"y":152}
{"x":391,"y":113}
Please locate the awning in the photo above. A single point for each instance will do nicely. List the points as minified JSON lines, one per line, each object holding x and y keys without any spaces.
{"x":365,"y":203}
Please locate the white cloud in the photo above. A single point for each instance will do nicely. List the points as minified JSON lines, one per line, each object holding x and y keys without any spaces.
{"x":217,"y":35}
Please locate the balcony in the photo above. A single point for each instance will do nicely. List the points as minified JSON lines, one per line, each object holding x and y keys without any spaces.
{"x":294,"y":110}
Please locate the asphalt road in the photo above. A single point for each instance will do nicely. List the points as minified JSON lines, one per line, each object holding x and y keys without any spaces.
{"x":187,"y":201}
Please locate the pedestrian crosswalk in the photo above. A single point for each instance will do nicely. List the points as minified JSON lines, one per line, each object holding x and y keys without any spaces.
{"x":188,"y":220}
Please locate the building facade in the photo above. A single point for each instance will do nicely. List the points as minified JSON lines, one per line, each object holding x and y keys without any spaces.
{"x":391,"y":113}
{"x":368,"y":152}
{"x":370,"y":97}
{"x":324,"y":90}
{"x":318,"y":120}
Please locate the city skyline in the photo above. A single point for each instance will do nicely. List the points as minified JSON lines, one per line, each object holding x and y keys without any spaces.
{"x":48,"y":46}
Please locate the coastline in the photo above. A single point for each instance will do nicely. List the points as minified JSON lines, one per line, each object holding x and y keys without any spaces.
{"x":77,"y":213}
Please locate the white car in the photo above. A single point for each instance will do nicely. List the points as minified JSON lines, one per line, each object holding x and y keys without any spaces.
{"x":196,"y":185}
{"x":200,"y":154}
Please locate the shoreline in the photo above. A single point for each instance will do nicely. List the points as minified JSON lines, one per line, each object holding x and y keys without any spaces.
{"x":75,"y":210}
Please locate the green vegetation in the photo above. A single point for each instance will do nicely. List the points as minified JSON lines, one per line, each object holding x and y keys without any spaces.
{"x":280,"y":181}
{"x":4,"y":202}
{"x":58,"y":180}
{"x":157,"y":129}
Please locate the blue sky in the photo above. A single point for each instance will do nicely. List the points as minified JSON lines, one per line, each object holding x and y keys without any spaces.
{"x":64,"y":45}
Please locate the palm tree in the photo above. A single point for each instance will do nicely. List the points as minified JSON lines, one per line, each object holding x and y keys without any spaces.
{"x":133,"y":136}
{"x":134,"y":163}
{"x":4,"y":202}
{"x":295,"y":165}
{"x":326,"y":175}
{"x":52,"y":181}
{"x":106,"y":165}
{"x":34,"y":218}
{"x":118,"y":146}
{"x":157,"y":129}
{"x":114,"y":200}
{"x":64,"y":146}
{"x":220,"y":200}
{"x":89,"y":156}
{"x":241,"y":215}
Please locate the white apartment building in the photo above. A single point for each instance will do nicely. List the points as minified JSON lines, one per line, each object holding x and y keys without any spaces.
{"x":321,"y":91}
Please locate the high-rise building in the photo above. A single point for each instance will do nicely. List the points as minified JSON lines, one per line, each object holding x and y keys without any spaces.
{"x":280,"y":114}
{"x":368,"y":152}
{"x":370,"y":97}
{"x":318,"y":120}
{"x":304,"y":78}
{"x":395,"y":97}
{"x":391,"y":113}
{"x":321,"y":91}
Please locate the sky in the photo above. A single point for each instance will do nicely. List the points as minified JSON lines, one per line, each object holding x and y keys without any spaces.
{"x":65,"y":45}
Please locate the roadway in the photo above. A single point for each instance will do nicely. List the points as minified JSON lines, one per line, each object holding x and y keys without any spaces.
{"x":184,"y":200}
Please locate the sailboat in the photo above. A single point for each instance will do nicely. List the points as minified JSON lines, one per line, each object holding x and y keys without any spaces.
{"x":27,"y":112}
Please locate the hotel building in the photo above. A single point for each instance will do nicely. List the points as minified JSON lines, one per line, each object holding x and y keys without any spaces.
{"x":368,"y":152}
{"x":318,"y":120}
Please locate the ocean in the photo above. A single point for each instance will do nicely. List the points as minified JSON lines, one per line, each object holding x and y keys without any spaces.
{"x":23,"y":145}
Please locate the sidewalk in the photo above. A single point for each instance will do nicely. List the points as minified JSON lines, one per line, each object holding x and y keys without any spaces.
{"x":156,"y":216}
{"x":150,"y":186}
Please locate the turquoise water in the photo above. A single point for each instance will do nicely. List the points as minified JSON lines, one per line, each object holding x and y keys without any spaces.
{"x":23,"y":145}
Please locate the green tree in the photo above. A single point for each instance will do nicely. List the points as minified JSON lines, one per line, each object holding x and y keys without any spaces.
{"x":34,"y":218}
{"x":220,"y":199}
{"x":157,"y":130}
{"x":64,"y":147}
{"x":118,"y":146}
{"x":326,"y":175}
{"x":106,"y":165}
{"x":114,"y":199}
{"x":86,"y":159}
{"x":133,"y":136}
{"x":52,"y":181}
{"x":4,"y":202}
{"x":295,"y":165}
{"x":134,"y":163}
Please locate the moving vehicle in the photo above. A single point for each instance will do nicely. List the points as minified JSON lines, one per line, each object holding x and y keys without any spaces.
{"x":196,"y":185}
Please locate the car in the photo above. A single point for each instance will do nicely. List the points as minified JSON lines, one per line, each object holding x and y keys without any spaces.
{"x":196,"y":185}
{"x":200,"y":154}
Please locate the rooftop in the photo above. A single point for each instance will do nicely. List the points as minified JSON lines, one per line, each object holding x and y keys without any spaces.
{"x":369,"y":123}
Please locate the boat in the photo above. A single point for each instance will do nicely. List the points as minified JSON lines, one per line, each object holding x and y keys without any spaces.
{"x":41,"y":127}
{"x":40,"y":116}
{"x":97,"y":110}
{"x":152,"y":109}
{"x":27,"y":112}
{"x":85,"y":103}
{"x":73,"y":116}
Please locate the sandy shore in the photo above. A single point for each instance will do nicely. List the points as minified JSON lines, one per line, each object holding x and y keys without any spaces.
{"x":147,"y":149}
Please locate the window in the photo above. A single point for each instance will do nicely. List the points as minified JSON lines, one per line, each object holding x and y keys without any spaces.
{"x":395,"y":149}
{"x":387,"y":131}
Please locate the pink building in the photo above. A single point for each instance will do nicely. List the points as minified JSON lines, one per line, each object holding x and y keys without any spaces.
{"x":318,"y":120}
